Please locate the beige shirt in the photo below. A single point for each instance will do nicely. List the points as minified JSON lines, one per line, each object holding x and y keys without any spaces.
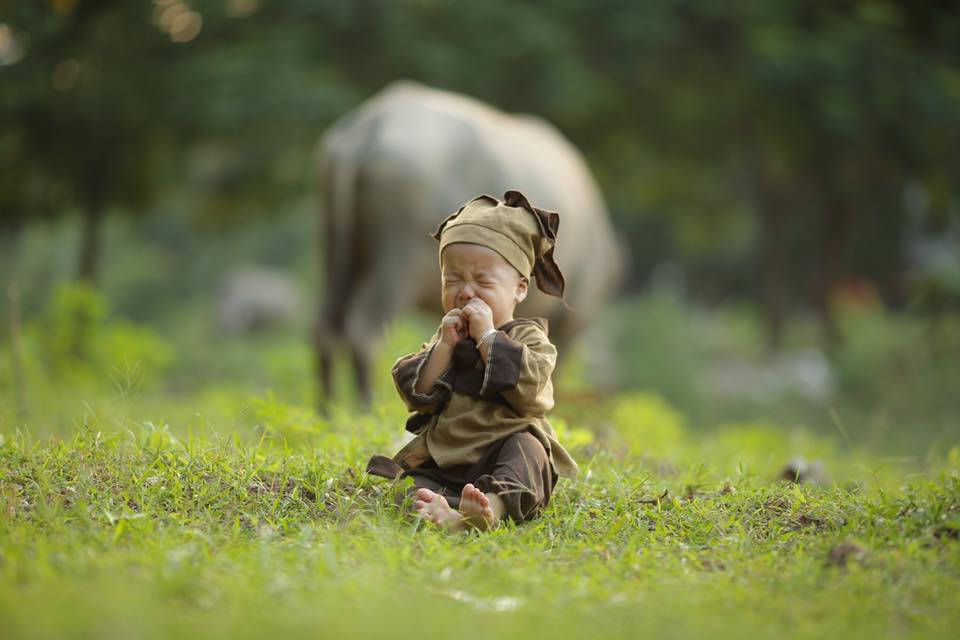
{"x":472,"y":405}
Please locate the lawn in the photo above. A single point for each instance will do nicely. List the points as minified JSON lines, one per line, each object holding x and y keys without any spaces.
{"x":175,"y":494}
{"x":145,"y":534}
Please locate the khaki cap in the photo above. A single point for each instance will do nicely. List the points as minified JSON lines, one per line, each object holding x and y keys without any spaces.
{"x":522,"y":234}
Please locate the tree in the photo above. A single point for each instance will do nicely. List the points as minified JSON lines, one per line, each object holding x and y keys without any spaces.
{"x":82,"y":113}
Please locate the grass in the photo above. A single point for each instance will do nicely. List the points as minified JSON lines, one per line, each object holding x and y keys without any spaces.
{"x":142,"y":533}
{"x":170,"y":493}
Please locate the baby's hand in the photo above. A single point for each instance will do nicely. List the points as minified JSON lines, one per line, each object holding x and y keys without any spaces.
{"x":479,"y":317}
{"x":453,"y":327}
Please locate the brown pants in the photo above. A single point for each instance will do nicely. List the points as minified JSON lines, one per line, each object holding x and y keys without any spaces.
{"x":516,"y":468}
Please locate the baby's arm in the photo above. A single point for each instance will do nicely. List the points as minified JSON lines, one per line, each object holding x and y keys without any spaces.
{"x":519,"y":367}
{"x":452,"y":327}
{"x":418,"y":376}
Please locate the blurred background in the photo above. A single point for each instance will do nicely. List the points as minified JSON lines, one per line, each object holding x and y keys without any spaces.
{"x":784,"y":172}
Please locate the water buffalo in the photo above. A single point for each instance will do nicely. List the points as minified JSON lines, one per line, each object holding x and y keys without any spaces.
{"x":390,"y":170}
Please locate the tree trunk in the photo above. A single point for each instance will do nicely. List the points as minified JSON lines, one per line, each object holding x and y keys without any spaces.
{"x":773,"y":285}
{"x":9,"y":249}
{"x":89,"y":265}
{"x":10,"y":240}
{"x":835,"y":232}
{"x":97,"y":183}
{"x":16,"y":350}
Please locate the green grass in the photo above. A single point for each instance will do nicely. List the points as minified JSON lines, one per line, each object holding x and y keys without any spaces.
{"x":177,"y":483}
{"x":143,"y":533}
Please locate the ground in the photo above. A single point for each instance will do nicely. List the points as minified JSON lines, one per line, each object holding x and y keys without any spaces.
{"x":152,"y":485}
{"x":146,"y":534}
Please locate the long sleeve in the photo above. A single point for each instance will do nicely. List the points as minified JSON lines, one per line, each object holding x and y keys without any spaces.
{"x":519,"y":367}
{"x":406,"y":373}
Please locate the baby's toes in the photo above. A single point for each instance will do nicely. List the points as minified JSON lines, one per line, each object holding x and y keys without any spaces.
{"x":481,"y":498}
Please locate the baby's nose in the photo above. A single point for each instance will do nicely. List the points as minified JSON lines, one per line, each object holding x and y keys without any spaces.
{"x":467,"y":294}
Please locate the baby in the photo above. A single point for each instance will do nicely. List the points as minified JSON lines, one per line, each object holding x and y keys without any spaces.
{"x":480,"y":389}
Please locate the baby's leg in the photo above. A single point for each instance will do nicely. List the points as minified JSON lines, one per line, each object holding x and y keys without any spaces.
{"x":521,"y":477}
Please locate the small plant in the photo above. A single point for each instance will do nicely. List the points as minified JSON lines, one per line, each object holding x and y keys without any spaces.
{"x":648,"y":426}
{"x":72,"y":324}
{"x":78,"y":341}
{"x":284,"y":420}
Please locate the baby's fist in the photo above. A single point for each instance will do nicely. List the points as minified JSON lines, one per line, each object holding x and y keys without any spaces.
{"x":479,"y":317}
{"x":453,"y":327}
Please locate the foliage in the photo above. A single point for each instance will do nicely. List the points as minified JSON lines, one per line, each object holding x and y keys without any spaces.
{"x":889,"y":387}
{"x":652,"y":339}
{"x":767,"y":448}
{"x":573,"y":439}
{"x":77,"y":342}
{"x":285,"y":421}
{"x":716,"y":129}
{"x":648,"y":425}
{"x":83,"y":127}
{"x":73,"y":318}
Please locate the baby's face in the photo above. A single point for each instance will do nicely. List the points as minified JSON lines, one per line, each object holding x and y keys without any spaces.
{"x":474,"y":271}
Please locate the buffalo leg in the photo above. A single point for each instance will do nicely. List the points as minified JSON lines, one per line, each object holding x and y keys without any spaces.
{"x":325,"y":368}
{"x":361,"y":369}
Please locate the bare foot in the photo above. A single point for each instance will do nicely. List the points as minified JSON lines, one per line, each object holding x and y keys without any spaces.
{"x":476,"y":509}
{"x":434,"y":507}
